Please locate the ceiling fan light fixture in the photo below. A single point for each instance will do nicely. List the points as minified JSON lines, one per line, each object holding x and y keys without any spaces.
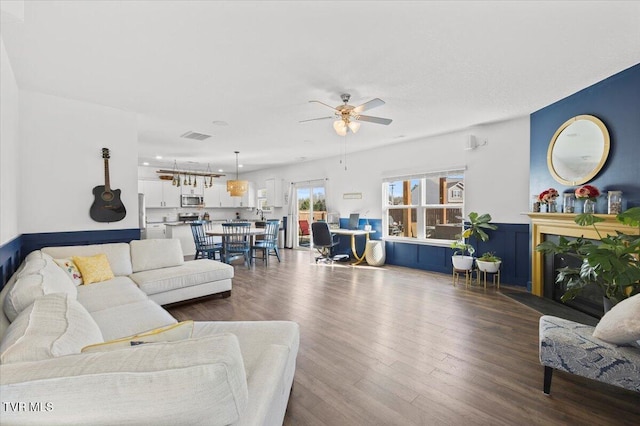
{"x":237,"y":187}
{"x":354,"y":126}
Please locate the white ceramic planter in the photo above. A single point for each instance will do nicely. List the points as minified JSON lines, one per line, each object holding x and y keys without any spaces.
{"x":491,"y":267}
{"x":464,"y":263}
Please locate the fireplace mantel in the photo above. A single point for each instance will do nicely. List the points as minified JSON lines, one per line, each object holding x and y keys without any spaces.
{"x":563,"y":224}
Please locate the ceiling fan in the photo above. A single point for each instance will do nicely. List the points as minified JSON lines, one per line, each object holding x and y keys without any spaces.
{"x":349,"y":116}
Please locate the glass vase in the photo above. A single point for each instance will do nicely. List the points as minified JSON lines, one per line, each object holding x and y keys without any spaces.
{"x":589,"y":206}
{"x":552,"y":207}
{"x":568,"y":203}
{"x":614,"y":202}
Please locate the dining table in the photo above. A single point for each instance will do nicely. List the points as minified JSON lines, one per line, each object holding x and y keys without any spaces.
{"x":219,"y":232}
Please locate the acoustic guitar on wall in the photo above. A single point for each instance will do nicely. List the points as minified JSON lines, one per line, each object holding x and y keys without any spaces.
{"x":107,"y":206}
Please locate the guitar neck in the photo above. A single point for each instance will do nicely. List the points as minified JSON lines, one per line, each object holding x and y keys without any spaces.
{"x":107,"y":186}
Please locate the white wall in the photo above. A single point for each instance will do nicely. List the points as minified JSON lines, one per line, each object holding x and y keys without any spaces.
{"x":496,"y":179}
{"x":60,"y":161}
{"x":9,"y":137}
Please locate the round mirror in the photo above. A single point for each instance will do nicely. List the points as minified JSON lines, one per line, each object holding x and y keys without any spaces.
{"x":578,"y":150}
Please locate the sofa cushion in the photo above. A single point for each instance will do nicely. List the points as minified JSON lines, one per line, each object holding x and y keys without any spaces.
{"x":115,"y":292}
{"x":189,"y":274}
{"x":254,"y":336}
{"x":155,"y":253}
{"x":118,"y":254}
{"x":94,"y":269}
{"x":621,"y":325}
{"x":53,"y":325}
{"x":45,"y":278}
{"x":132,"y":318}
{"x":190,"y":382}
{"x":171,"y":333}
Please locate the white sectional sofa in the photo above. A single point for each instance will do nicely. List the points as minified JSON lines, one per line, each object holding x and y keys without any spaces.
{"x":55,"y":367}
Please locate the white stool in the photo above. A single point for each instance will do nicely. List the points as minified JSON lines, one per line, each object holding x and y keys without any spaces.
{"x":375,"y":253}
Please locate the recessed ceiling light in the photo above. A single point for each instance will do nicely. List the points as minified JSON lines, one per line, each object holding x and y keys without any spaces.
{"x":220,"y":170}
{"x":158,"y":157}
{"x":145,"y":163}
{"x":220,"y":123}
{"x":240,"y":165}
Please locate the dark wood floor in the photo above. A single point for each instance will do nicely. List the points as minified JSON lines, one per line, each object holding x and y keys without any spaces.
{"x":397,"y":346}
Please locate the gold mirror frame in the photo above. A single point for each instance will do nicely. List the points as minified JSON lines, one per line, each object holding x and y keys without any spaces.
{"x":603,"y":157}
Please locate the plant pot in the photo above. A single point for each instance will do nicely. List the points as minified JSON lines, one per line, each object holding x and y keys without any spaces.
{"x":491,"y":267}
{"x":464,"y":263}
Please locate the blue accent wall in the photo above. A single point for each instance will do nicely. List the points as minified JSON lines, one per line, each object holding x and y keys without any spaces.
{"x":13,"y":252}
{"x":615,"y":101}
{"x":509,"y":241}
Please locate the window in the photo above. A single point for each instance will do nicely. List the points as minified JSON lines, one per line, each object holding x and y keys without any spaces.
{"x":427,"y":206}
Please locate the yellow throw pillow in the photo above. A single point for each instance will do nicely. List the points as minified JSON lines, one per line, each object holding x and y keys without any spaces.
{"x":172,"y":333}
{"x":93,"y":268}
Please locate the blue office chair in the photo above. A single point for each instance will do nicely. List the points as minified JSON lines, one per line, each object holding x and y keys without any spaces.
{"x":323,"y":241}
{"x":236,"y":241}
{"x":269,"y":242}
{"x":206,"y":248}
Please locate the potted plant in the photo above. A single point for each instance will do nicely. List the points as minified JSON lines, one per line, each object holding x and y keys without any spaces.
{"x":459,"y":259}
{"x":476,"y":230}
{"x":489,"y":262}
{"x":612,"y":263}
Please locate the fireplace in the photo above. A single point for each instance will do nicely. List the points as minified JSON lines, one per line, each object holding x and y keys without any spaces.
{"x":546,"y":226}
{"x":588,"y":301}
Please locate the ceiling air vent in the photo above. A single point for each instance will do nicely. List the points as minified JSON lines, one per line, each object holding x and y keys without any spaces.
{"x":195,"y":135}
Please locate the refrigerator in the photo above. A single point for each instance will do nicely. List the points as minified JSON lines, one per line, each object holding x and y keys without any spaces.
{"x":142,"y":217}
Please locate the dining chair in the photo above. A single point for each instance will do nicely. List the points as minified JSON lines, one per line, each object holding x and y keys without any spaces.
{"x":206,"y":247}
{"x":236,"y":241}
{"x":269,"y":242}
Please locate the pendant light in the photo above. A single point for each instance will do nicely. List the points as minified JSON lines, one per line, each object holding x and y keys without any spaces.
{"x":237,"y":188}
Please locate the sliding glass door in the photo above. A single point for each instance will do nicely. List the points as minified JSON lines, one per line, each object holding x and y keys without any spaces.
{"x":311,"y":206}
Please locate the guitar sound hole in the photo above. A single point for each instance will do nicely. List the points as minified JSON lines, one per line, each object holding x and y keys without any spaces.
{"x":107,"y":196}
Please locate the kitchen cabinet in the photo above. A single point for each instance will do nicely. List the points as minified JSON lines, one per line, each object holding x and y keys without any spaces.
{"x":155,"y":230}
{"x":160,"y":193}
{"x":190,"y":189}
{"x":182,"y":232}
{"x":275,"y":194}
{"x":217,"y":196}
{"x":212,"y":195}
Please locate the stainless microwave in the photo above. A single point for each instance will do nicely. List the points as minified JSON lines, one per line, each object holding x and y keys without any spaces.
{"x":191,"y":201}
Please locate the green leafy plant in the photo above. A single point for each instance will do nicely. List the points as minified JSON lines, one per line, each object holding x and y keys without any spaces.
{"x":489,"y":257}
{"x":477,"y":225}
{"x":460,"y":248}
{"x":612,"y":263}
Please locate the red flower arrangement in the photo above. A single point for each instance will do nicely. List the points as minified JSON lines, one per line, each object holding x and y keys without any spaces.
{"x":548,"y":195}
{"x":587,"y":192}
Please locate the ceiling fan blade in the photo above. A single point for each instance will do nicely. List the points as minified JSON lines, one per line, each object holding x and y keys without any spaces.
{"x":322,"y":103}
{"x":369,"y":105}
{"x":314,"y":119}
{"x":369,"y":119}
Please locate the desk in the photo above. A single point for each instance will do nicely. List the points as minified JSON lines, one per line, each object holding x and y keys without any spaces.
{"x":353,"y":233}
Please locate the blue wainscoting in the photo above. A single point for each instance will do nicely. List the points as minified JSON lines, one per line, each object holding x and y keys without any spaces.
{"x":12,"y":253}
{"x":10,"y":259}
{"x":510,"y":241}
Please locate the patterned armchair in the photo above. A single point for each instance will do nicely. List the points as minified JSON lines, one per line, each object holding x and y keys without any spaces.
{"x":569,"y":346}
